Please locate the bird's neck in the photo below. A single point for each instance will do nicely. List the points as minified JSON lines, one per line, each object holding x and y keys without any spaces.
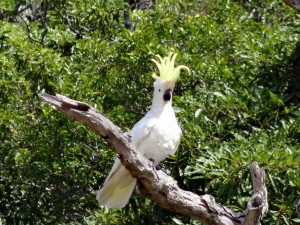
{"x":160,"y":107}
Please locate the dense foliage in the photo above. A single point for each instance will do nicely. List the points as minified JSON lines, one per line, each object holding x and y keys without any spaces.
{"x":241,"y":103}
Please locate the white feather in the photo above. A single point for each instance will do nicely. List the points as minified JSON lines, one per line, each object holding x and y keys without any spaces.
{"x":155,"y":136}
{"x":117,"y":188}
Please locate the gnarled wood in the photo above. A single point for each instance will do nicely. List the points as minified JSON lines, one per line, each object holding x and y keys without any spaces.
{"x":158,"y":186}
{"x":257,"y":206}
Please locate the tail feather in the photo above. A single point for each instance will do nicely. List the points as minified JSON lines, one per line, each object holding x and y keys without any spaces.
{"x":117,"y":188}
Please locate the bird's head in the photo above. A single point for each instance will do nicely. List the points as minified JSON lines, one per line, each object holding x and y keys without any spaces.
{"x":168,"y":74}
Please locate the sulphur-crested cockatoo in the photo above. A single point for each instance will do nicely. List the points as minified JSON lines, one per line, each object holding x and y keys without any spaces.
{"x":155,"y":136}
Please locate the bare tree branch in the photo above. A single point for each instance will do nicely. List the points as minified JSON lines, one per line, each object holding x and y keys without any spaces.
{"x":29,"y":31}
{"x":257,"y":207}
{"x":42,"y":6}
{"x":71,"y":22}
{"x":295,"y":4}
{"x":44,"y":21}
{"x":158,"y":186}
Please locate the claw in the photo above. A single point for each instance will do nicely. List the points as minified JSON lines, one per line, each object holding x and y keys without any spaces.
{"x":128,"y":137}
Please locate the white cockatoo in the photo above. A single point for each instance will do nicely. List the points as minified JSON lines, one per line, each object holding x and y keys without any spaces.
{"x":155,"y":136}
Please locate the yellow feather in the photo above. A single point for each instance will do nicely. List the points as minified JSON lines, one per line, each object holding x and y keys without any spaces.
{"x":166,"y":68}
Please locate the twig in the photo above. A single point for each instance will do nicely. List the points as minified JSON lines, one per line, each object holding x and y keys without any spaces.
{"x":28,"y":31}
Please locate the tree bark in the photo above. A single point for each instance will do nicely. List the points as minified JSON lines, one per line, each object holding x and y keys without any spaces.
{"x":158,"y":186}
{"x":295,"y":4}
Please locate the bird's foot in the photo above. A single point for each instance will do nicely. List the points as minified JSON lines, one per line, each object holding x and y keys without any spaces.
{"x":153,"y":167}
{"x":151,"y":160}
{"x":166,"y":171}
{"x":128,"y":136}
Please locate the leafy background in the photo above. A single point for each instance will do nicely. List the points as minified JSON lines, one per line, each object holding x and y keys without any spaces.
{"x":240,"y":103}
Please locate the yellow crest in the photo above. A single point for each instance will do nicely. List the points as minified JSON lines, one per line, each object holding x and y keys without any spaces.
{"x":166,"y":68}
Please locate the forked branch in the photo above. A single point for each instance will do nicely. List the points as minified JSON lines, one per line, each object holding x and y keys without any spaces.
{"x":158,"y":186}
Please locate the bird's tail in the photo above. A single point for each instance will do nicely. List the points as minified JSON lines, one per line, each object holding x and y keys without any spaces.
{"x":117,"y":188}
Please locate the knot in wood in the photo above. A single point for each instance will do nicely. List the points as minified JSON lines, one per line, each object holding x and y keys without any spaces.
{"x":257,"y":201}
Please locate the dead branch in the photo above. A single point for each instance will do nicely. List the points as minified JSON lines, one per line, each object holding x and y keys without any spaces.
{"x":158,"y":186}
{"x":295,"y":4}
{"x":257,"y":206}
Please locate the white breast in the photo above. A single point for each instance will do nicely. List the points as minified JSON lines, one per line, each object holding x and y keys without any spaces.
{"x":162,"y":137}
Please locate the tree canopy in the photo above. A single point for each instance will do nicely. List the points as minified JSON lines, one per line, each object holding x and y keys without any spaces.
{"x":239,"y":104}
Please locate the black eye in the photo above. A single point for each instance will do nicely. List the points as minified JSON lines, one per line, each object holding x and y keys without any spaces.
{"x":159,"y":90}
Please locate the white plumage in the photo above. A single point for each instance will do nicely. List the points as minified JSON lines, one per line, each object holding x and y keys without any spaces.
{"x":155,"y":136}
